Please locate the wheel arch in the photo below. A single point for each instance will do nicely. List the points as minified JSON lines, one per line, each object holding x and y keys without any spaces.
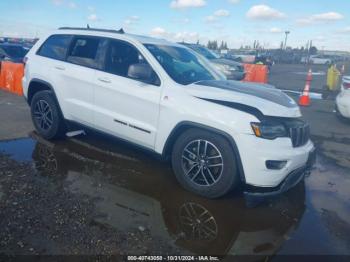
{"x":37,"y":85}
{"x":185,"y":125}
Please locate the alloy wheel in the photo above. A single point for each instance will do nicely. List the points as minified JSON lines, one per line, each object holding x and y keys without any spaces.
{"x":43,"y":115}
{"x":202,"y":162}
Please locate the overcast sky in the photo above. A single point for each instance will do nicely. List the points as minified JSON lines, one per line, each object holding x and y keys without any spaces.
{"x":239,"y":22}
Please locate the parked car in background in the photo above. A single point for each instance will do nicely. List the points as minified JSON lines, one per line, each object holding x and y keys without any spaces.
{"x":286,"y":56}
{"x":12,"y":52}
{"x":343,"y":99}
{"x":304,"y":59}
{"x":231,"y":69}
{"x":247,"y":57}
{"x":321,"y":60}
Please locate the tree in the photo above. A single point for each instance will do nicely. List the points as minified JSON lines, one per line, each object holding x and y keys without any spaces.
{"x":215,"y":45}
{"x":223,"y":45}
{"x":313,"y":50}
{"x":257,"y":45}
{"x":209,"y":45}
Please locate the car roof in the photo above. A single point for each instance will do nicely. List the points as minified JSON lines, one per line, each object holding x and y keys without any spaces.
{"x":120,"y":34}
{"x":191,"y":45}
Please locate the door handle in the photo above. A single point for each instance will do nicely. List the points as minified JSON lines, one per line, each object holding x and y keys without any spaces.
{"x":60,"y":68}
{"x":104,"y":80}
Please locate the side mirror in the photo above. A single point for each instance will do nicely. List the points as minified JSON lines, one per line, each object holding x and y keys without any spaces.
{"x":143,"y":73}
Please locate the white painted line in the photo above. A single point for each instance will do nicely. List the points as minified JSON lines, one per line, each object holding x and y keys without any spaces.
{"x":320,"y":73}
{"x":316,"y":96}
{"x":313,"y":95}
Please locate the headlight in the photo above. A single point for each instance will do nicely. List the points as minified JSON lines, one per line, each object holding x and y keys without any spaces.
{"x":269,"y":130}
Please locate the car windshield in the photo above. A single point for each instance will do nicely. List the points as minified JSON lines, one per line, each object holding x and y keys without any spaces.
{"x":14,"y":51}
{"x":204,"y":52}
{"x":182,"y":65}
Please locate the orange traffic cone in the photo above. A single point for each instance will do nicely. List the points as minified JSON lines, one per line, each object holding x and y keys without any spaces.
{"x":309,"y":75}
{"x":304,"y":99}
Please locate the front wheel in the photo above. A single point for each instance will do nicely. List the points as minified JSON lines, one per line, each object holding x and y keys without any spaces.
{"x":46,"y":116}
{"x":205,"y":163}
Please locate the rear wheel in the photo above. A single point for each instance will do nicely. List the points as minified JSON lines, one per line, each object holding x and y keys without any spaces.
{"x":46,"y":116}
{"x":204,"y":163}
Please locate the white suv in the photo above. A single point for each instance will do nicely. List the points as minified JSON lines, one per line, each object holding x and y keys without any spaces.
{"x":343,"y":99}
{"x":166,"y":98}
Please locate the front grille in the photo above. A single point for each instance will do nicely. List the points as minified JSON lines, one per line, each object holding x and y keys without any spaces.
{"x":299,"y":134}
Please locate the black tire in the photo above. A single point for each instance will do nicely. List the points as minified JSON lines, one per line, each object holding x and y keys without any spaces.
{"x":227,"y":179}
{"x":54,"y":125}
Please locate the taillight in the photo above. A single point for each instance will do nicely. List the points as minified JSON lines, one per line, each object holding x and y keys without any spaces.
{"x":346,"y":85}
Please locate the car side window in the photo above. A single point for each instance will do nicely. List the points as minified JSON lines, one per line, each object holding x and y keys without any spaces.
{"x":55,"y":47}
{"x":85,"y":51}
{"x":123,"y":59}
{"x":2,"y":52}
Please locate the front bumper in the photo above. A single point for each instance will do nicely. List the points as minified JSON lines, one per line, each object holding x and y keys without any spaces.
{"x":255,"y":152}
{"x":289,"y":182}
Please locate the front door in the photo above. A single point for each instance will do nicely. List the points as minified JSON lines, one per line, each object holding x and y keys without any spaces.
{"x":125,"y":106}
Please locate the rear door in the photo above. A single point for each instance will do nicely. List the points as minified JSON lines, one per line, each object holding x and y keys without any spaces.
{"x":74,"y":78}
{"x":44,"y":65}
{"x":126,"y":107}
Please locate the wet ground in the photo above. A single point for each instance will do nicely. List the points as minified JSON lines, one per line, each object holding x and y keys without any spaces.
{"x":93,"y":196}
{"x":71,"y":197}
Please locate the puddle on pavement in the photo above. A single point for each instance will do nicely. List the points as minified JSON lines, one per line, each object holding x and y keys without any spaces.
{"x":20,"y":150}
{"x":131,"y":190}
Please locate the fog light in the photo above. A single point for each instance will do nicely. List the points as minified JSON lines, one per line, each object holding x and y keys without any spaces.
{"x":276,"y":165}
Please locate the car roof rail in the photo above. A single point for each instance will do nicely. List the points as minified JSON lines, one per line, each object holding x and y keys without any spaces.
{"x":88,"y":28}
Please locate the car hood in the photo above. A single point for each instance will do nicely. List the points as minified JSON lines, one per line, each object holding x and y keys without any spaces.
{"x":263,"y":97}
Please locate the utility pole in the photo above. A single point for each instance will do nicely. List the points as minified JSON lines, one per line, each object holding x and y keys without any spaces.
{"x":285,"y":40}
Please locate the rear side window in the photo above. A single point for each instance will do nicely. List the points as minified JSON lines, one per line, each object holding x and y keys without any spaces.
{"x":55,"y":47}
{"x":85,"y":51}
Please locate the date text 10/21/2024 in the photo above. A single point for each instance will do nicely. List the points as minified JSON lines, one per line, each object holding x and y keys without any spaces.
{"x":172,"y":258}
